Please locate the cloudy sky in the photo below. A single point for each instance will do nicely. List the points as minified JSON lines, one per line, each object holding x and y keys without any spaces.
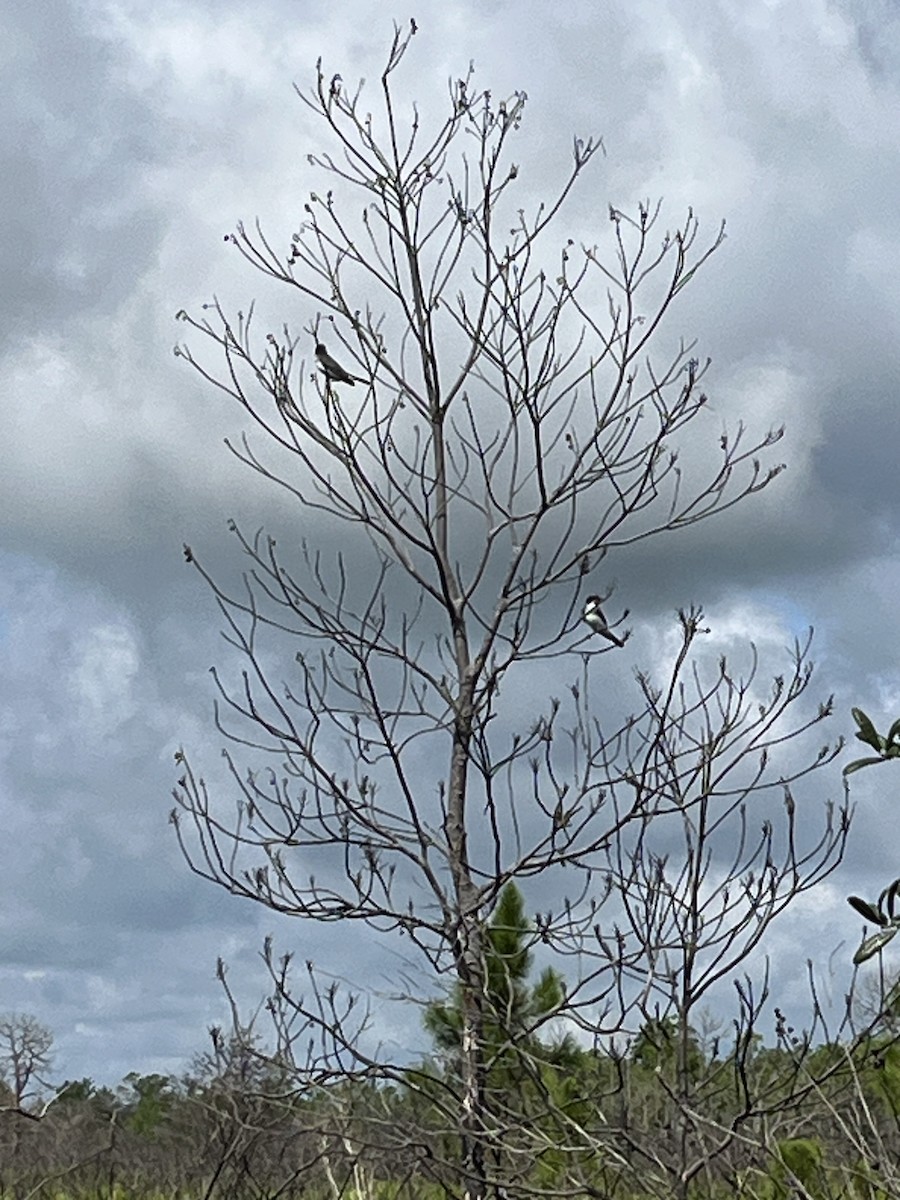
{"x":135,"y":135}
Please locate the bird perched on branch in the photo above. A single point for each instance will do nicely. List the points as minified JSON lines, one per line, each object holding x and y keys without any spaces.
{"x":333,"y":371}
{"x":593,"y":614}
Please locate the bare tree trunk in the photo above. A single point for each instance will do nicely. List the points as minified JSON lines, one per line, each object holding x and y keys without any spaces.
{"x":469,"y":956}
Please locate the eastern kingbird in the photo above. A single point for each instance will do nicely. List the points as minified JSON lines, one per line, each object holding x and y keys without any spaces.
{"x":333,"y":371}
{"x":593,"y":614}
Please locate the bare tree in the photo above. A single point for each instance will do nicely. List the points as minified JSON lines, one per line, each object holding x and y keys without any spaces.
{"x":25,"y":1054}
{"x":488,"y":429}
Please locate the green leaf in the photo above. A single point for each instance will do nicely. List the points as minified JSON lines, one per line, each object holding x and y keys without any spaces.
{"x":867,"y":732}
{"x":867,"y":910}
{"x":859,"y":763}
{"x":873,"y":944}
{"x":894,"y":733}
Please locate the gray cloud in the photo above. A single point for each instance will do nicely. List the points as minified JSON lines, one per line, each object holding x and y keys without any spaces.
{"x":77,"y":146}
{"x":136,"y":137}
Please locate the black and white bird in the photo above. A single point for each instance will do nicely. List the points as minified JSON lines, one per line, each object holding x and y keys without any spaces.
{"x":593,"y":614}
{"x":333,"y":371}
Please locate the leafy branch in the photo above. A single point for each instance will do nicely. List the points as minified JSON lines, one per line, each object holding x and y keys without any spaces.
{"x":882,"y":913}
